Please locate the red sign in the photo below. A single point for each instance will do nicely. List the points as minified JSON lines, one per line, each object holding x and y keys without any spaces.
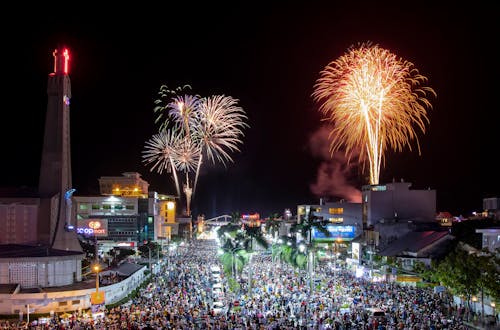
{"x":95,"y":227}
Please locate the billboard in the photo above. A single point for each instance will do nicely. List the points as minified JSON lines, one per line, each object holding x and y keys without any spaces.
{"x":356,"y":248}
{"x":93,"y":227}
{"x":337,"y":233}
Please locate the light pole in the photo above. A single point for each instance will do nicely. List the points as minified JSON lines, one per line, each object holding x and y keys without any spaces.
{"x":97,"y":268}
{"x":493,"y":305}
{"x":149,"y":259}
{"x":335,"y":257}
{"x":302,"y":249}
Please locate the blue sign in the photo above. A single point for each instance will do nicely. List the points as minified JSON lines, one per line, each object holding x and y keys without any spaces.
{"x":85,"y":231}
{"x":336,"y":232}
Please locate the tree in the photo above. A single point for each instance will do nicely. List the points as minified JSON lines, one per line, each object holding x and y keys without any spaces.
{"x":305,"y":228}
{"x":492,"y":276}
{"x":253,"y":233}
{"x":457,"y":271}
{"x":273,"y":224}
{"x":289,"y":252}
{"x":423,"y":270}
{"x":234,"y":255}
{"x":235,"y":218}
{"x":150,"y":247}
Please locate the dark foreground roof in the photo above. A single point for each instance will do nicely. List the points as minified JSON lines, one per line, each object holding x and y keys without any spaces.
{"x":127,"y":269}
{"x":413,"y":242}
{"x":29,"y":251}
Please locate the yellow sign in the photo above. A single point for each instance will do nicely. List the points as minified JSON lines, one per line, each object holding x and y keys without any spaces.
{"x":97,"y":297}
{"x":408,"y":278}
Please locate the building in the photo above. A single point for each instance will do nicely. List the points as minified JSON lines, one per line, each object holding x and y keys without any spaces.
{"x":491,"y":207}
{"x":19,"y":216}
{"x":129,"y":184}
{"x":396,"y":201}
{"x":39,"y":247}
{"x":444,"y":219}
{"x":340,"y":213}
{"x":423,"y":246}
{"x":490,"y":238}
{"x":343,"y":219}
{"x":38,"y":266}
{"x":126,"y":213}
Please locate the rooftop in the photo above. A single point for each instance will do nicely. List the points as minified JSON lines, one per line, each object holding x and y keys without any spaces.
{"x":30,"y":251}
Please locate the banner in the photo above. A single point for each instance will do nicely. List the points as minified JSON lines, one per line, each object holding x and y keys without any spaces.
{"x":97,"y":297}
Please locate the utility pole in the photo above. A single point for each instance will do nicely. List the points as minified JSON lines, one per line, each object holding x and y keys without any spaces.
{"x":149,"y":249}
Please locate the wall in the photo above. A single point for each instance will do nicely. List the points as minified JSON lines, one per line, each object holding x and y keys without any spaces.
{"x":62,"y":301}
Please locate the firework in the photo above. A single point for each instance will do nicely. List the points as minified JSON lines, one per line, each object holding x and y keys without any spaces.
{"x":160,"y":152}
{"x":373,"y":99}
{"x":193,"y":127}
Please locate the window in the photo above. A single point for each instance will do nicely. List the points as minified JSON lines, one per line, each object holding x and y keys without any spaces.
{"x":84,"y":206}
{"x":336,"y":220}
{"x":336,"y":210}
{"x":63,"y":303}
{"x":106,"y":206}
{"x":75,"y":302}
{"x":95,"y":207}
{"x":130,"y":207}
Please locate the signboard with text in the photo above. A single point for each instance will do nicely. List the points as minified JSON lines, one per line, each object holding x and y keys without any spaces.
{"x":93,"y":227}
{"x":337,"y":232}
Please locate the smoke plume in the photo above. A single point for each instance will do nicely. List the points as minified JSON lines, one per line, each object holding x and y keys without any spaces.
{"x":336,"y":172}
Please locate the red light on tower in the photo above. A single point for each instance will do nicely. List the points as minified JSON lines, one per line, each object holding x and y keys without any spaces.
{"x":66,"y":60}
{"x":61,"y":61}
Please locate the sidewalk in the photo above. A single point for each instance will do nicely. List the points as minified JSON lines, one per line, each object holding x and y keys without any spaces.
{"x":482,"y":326}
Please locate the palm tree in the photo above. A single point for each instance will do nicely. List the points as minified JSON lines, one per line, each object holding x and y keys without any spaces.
{"x":291,"y":254}
{"x":273,"y":224}
{"x":305,"y":228}
{"x":234,"y":256}
{"x":235,"y":217}
{"x":254,"y":233}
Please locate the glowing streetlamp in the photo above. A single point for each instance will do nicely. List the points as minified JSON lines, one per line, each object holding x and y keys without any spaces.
{"x":97,"y":297}
{"x":96,"y":268}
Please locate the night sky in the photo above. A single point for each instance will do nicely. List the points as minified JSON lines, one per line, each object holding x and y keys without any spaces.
{"x":269,"y":57}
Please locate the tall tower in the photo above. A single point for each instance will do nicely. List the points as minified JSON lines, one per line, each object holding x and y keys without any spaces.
{"x":54,"y":216}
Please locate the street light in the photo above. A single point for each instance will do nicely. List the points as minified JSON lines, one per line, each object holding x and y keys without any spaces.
{"x":97,"y":298}
{"x":274,"y":252}
{"x":149,"y":259}
{"x":97,"y":268}
{"x":336,"y":254}
{"x":310,"y":262}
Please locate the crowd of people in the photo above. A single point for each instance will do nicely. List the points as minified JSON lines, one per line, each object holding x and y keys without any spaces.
{"x":273,"y":296}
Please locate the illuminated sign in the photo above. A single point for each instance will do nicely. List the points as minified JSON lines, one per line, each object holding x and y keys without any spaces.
{"x":128,"y":244}
{"x":344,"y":233}
{"x":93,"y":227}
{"x":255,"y":216}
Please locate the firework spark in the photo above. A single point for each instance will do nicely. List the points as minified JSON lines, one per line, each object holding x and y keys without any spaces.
{"x":160,"y":152}
{"x":193,"y":127}
{"x":373,"y":99}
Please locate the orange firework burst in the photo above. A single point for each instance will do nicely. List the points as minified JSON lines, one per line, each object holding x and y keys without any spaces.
{"x":373,"y":99}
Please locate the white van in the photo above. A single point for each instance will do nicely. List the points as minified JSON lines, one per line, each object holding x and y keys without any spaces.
{"x":376,"y":312}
